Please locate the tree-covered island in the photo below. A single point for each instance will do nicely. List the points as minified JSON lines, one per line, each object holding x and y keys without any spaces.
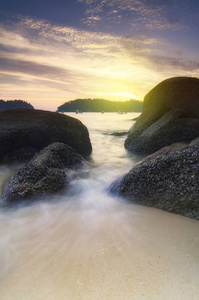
{"x":100,"y":105}
{"x":14,"y":104}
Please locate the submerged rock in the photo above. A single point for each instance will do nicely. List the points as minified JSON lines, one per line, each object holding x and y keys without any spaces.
{"x":35,"y":129}
{"x":49,"y":171}
{"x":167,"y":179}
{"x":119,"y":133}
{"x":170,"y":115}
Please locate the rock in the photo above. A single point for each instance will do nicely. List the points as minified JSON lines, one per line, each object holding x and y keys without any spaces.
{"x":119,"y":133}
{"x":167,"y":179}
{"x":37,"y":129}
{"x":20,"y":155}
{"x":170,"y":115}
{"x":171,"y":128}
{"x":48,"y":171}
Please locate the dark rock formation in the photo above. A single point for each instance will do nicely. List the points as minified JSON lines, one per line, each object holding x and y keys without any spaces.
{"x":119,"y":133}
{"x":37,"y":129}
{"x":170,"y":115}
{"x":49,"y":171}
{"x":20,"y":155}
{"x":167,"y":179}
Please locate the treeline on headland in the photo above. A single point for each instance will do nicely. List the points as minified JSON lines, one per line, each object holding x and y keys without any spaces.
{"x":101,"y":105}
{"x":14,"y":104}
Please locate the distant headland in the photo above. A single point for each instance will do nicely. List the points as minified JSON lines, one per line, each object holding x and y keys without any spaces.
{"x":101,"y":105}
{"x":14,"y":104}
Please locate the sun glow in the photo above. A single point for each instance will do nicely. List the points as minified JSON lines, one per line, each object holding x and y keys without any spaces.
{"x":48,"y":65}
{"x":113,"y":73}
{"x":121,"y":95}
{"x":128,"y":95}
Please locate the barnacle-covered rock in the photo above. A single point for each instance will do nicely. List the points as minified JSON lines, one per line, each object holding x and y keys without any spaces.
{"x":49,"y":171}
{"x":167,"y":179}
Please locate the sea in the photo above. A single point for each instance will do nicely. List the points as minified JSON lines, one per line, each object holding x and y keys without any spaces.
{"x":85,"y":244}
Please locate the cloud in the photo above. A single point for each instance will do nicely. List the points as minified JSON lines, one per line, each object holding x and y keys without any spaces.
{"x":53,"y":63}
{"x":171,"y":63}
{"x":186,"y":65}
{"x":138,"y":14}
{"x":7,"y":79}
{"x":32,"y":68}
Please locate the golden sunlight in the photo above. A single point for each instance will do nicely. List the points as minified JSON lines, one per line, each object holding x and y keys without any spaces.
{"x":121,"y":96}
{"x":58,"y":64}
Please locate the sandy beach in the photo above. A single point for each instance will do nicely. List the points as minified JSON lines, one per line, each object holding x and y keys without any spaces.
{"x":117,"y":251}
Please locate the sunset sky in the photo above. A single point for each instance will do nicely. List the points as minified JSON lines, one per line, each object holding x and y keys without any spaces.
{"x":55,"y":51}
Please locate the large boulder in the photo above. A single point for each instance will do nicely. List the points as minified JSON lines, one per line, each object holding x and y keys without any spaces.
{"x":49,"y":171}
{"x":170,"y":115}
{"x":167,"y":179}
{"x":31,"y":130}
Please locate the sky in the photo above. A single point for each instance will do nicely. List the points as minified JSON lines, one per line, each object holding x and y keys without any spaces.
{"x":52,"y":51}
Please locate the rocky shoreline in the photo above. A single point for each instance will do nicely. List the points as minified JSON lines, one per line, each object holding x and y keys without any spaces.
{"x":23,"y":129}
{"x":55,"y":146}
{"x":50,"y":144}
{"x":167,"y":131}
{"x":167,"y":179}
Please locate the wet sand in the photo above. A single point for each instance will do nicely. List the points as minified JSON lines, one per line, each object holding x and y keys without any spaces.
{"x":117,"y":251}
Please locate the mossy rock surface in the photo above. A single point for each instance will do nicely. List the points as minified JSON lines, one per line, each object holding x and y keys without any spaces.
{"x":170,"y":115}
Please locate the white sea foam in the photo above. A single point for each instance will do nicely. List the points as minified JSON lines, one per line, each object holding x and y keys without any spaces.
{"x":86,"y":244}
